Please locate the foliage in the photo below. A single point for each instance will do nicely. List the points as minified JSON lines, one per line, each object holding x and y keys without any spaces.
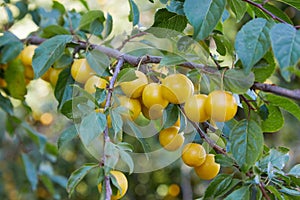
{"x":188,"y":37}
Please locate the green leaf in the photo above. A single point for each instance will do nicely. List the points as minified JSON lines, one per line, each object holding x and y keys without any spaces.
{"x":294,"y":3}
{"x":125,"y":146}
{"x":23,"y":9}
{"x":237,"y":82}
{"x":239,"y":8}
{"x":96,"y":27}
{"x":224,"y":160}
{"x":284,"y":103}
{"x":47,"y":183}
{"x":277,"y":158}
{"x":108,"y":26}
{"x":285,"y":41}
{"x":6,"y":104}
{"x":85,"y":4}
{"x":112,"y":154}
{"x":78,"y":175}
{"x":48,"y":52}
{"x":72,"y":108}
{"x":278,"y":12}
{"x":217,"y":186}
{"x":167,"y":23}
{"x":252,"y":42}
{"x":170,"y":115}
{"x":295,"y":171}
{"x":58,"y":6}
{"x":36,"y":137}
{"x":10,"y":16}
{"x":63,"y":90}
{"x":290,"y":191}
{"x":176,"y":6}
{"x":63,"y":61}
{"x":264,"y":68}
{"x":44,"y":18}
{"x":10,"y":47}
{"x":127,"y":159}
{"x":134,"y":15}
{"x":139,"y":136}
{"x":274,"y":121}
{"x":274,"y":191}
{"x":66,"y":136}
{"x":246,"y":143}
{"x":3,"y":121}
{"x":221,"y":48}
{"x":98,"y":61}
{"x":15,"y":79}
{"x":89,"y":17}
{"x":204,"y":15}
{"x":127,"y":74}
{"x":116,"y":120}
{"x":171,"y":60}
{"x":242,"y":193}
{"x":31,"y":171}
{"x":91,"y":127}
{"x":53,"y":30}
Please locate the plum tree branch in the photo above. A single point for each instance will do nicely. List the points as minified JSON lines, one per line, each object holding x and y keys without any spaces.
{"x":293,"y":94}
{"x":105,"y":134}
{"x":262,"y":8}
{"x":134,"y":61}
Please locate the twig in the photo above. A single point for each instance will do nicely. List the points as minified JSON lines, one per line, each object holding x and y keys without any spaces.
{"x":263,"y":190}
{"x":130,"y":38}
{"x":260,"y":6}
{"x":211,"y":142}
{"x":105,"y":134}
{"x":215,"y":61}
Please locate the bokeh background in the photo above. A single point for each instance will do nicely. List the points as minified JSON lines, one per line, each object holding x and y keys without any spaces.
{"x":171,"y":183}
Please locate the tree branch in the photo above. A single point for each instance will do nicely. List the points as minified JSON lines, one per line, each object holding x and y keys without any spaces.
{"x":130,"y":38}
{"x":134,"y":61}
{"x":105,"y":134}
{"x":293,"y":94}
{"x":263,"y":190}
{"x":261,"y":7}
{"x":211,"y":142}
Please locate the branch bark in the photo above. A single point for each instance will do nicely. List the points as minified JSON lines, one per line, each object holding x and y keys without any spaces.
{"x":293,"y":94}
{"x":134,"y":61}
{"x":105,"y":134}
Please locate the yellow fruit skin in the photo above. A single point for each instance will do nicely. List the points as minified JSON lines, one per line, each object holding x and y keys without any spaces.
{"x":177,"y":88}
{"x":134,"y":89}
{"x":122,"y":182}
{"x":95,"y":81}
{"x":220,"y":106}
{"x":53,"y":75}
{"x":177,"y":123}
{"x":209,"y":169}
{"x":152,"y":95}
{"x":28,"y":71}
{"x":194,"y":108}
{"x":81,"y":70}
{"x":155,"y":112}
{"x":193,"y":154}
{"x":3,"y":83}
{"x":170,"y":139}
{"x":27,"y":54}
{"x":133,"y":106}
{"x":46,"y":76}
{"x":108,"y":118}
